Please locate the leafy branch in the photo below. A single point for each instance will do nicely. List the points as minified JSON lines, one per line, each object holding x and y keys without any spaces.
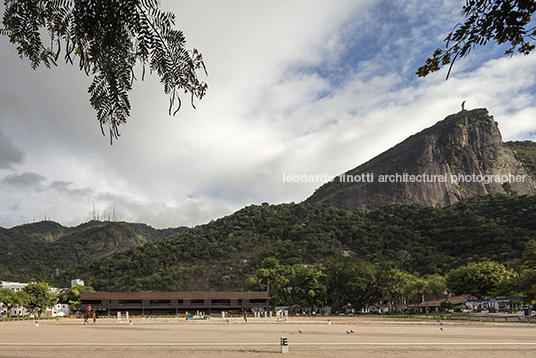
{"x":108,"y":37}
{"x":502,"y":21}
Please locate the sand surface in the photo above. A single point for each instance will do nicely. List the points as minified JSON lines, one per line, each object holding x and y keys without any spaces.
{"x":261,"y":338}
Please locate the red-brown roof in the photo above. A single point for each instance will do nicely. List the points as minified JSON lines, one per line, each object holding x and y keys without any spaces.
{"x":171,"y":295}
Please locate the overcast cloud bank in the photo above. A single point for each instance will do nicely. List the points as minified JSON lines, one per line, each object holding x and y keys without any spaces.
{"x":294,"y":87}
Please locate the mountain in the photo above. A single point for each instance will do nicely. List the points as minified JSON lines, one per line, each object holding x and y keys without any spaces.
{"x":525,"y":152}
{"x":43,"y":249}
{"x":420,"y":227}
{"x":223,"y":254}
{"x":454,"y":160}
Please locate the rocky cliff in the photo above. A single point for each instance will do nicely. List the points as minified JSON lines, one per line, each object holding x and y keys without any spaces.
{"x":457,"y":158}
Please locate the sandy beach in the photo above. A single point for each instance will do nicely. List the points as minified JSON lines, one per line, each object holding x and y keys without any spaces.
{"x":260,"y":337}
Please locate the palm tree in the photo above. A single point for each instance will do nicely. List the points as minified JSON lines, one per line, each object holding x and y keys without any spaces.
{"x":434,"y":285}
{"x":401,"y":283}
{"x":416,"y":287}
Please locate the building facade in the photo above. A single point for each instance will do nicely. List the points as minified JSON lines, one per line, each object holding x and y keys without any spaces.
{"x":76,"y":282}
{"x":13,"y":286}
{"x":20,"y":311}
{"x":174,"y":303}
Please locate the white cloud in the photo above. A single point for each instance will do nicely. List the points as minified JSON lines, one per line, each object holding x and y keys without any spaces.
{"x":10,"y":153}
{"x":295,"y":87}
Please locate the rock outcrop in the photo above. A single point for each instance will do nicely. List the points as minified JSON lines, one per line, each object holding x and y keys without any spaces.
{"x":457,"y":158}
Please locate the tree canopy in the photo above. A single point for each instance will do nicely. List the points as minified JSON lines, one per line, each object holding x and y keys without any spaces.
{"x":501,"y":21}
{"x":336,"y":281}
{"x":72,"y":295}
{"x":480,"y":279}
{"x":36,"y":297}
{"x":9,"y":299}
{"x":526,"y":282}
{"x":107,"y":38}
{"x":352,"y":280}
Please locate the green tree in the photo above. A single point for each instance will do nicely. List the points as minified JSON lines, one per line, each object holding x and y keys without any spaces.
{"x":72,"y":295}
{"x":481,"y":279}
{"x":403,"y":256}
{"x":508,"y":189}
{"x":37,"y":297}
{"x":352,"y":280}
{"x":501,"y":21}
{"x":339,"y":272}
{"x":416,"y":289}
{"x":272,"y":277}
{"x":445,"y":305}
{"x":388,"y":288}
{"x":308,"y":282}
{"x":526,"y":282}
{"x":9,"y":299}
{"x":433,"y":286}
{"x":529,"y":255}
{"x":401,"y":283}
{"x":291,"y":285}
{"x":107,"y":38}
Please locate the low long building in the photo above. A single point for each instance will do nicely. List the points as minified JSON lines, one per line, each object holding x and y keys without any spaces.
{"x":174,"y":302}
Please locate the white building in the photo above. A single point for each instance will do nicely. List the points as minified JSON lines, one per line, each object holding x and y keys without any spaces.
{"x":19,"y":311}
{"x":13,"y":286}
{"x":77,"y":281}
{"x":59,"y":310}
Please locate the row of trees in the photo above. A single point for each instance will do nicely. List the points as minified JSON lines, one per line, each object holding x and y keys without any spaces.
{"x":338,"y":281}
{"x":36,"y":297}
{"x":492,"y":279}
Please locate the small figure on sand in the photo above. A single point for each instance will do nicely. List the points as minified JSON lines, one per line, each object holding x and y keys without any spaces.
{"x":440,"y":324}
{"x":90,"y":314}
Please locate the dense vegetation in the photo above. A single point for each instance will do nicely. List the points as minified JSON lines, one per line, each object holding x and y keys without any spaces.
{"x":223,"y":254}
{"x":40,"y":250}
{"x":304,"y":254}
{"x":525,"y":152}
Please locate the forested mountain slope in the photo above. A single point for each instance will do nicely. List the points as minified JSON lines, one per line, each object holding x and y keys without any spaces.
{"x":221,"y":255}
{"x":40,"y":250}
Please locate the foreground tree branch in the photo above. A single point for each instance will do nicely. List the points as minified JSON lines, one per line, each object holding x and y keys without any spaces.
{"x":501,"y":21}
{"x":107,"y":38}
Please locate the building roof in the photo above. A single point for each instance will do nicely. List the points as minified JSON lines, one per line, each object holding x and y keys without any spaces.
{"x":171,"y":295}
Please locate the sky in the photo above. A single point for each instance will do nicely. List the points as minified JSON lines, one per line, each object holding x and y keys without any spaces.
{"x":294,"y":88}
